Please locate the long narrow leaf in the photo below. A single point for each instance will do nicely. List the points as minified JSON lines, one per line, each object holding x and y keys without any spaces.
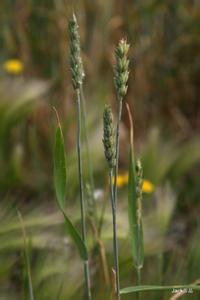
{"x":148,"y":288}
{"x":60,"y":189}
{"x":76,"y":238}
{"x":60,"y":169}
{"x":135,"y":223}
{"x":26,"y":257}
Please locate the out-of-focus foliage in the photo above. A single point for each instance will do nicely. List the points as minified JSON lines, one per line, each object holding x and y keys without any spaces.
{"x":165,"y":45}
{"x":18,"y":100}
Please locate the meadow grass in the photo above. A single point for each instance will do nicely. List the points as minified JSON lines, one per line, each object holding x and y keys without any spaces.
{"x":100,"y":233}
{"x":111,"y":142}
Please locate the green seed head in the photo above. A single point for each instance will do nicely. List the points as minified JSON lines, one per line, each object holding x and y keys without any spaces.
{"x":75,"y":54}
{"x":139,"y":177}
{"x":139,"y":183}
{"x":108,"y":136}
{"x":121,"y":71}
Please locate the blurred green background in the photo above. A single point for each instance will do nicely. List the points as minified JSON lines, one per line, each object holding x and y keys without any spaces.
{"x":163,"y":96}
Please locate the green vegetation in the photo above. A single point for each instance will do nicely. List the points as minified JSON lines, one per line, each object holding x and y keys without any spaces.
{"x":75,"y":223}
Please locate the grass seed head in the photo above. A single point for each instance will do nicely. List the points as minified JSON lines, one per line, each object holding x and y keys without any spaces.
{"x":121,"y":72}
{"x":108,"y":136}
{"x":139,"y":184}
{"x":75,"y":54}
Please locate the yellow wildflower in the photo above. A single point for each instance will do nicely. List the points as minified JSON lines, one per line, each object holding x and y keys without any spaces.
{"x":122,"y":180}
{"x":13,"y":66}
{"x":147,"y":187}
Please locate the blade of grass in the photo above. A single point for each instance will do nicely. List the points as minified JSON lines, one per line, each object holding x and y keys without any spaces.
{"x":60,"y":189}
{"x":76,"y":238}
{"x":134,"y":209}
{"x":26,"y":256}
{"x":134,"y":222}
{"x":60,"y":177}
{"x":182,"y":292}
{"x":149,"y":288}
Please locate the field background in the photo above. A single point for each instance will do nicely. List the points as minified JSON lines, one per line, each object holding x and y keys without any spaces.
{"x":163,"y":95}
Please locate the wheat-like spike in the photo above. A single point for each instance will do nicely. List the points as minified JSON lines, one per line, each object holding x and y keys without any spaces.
{"x":139,"y":183}
{"x":121,"y":72}
{"x":75,"y":54}
{"x":108,"y":137}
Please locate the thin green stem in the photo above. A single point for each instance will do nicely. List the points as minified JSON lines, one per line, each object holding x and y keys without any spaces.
{"x":102,"y":215}
{"x":26,"y":256}
{"x":160,"y":267}
{"x":138,"y":271}
{"x":117,"y":149}
{"x":115,"y":243}
{"x":90,"y":169}
{"x":82,"y":204}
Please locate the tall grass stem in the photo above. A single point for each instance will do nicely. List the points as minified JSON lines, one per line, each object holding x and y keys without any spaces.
{"x":138,"y":271}
{"x":115,"y":243}
{"x":82,"y":204}
{"x":90,"y":168}
{"x":117,"y":148}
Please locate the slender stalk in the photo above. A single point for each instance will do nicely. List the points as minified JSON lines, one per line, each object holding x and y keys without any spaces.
{"x":160,"y":267}
{"x":82,"y":204}
{"x":26,"y":255}
{"x":77,"y":80}
{"x":102,"y":252}
{"x":115,"y":243}
{"x":138,"y":271}
{"x":91,"y":173}
{"x":117,"y":148}
{"x":102,"y":213}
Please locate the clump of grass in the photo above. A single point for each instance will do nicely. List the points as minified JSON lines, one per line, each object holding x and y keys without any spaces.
{"x":77,"y":79}
{"x":109,"y":150}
